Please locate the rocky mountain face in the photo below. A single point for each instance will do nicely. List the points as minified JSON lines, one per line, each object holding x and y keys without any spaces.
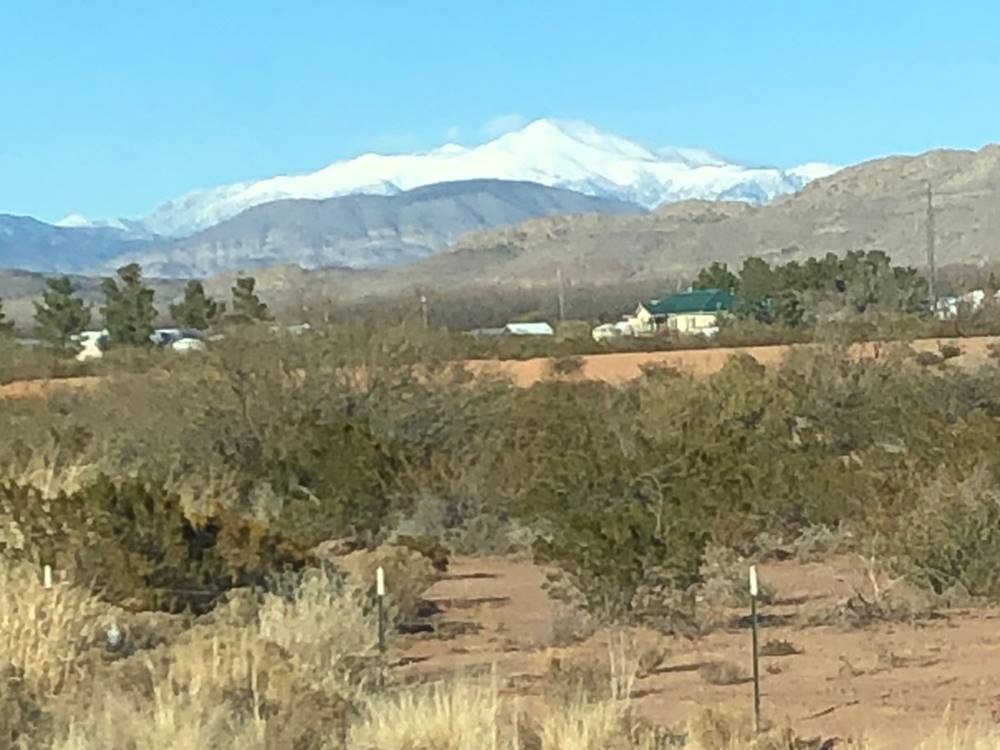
{"x":31,"y":244}
{"x":363,"y":231}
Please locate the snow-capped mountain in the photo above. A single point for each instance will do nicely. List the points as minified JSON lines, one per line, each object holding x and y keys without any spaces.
{"x":128,"y":228}
{"x":555,"y":153}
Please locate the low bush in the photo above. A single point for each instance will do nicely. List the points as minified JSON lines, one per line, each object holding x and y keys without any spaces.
{"x":135,"y":544}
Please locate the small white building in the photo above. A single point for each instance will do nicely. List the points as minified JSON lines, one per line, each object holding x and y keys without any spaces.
{"x":529,"y":329}
{"x":950,"y":306}
{"x":91,"y":344}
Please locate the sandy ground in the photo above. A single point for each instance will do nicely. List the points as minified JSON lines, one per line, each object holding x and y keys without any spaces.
{"x":894,"y":683}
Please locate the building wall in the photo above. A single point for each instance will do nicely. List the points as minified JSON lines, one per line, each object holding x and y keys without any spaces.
{"x":697,"y":322}
{"x":642,"y":322}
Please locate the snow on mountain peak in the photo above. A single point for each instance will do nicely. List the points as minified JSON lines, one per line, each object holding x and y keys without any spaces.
{"x":73,"y":221}
{"x":560,"y":153}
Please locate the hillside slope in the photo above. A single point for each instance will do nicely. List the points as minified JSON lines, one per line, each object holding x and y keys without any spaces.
{"x":876,"y":205}
{"x":363,"y":231}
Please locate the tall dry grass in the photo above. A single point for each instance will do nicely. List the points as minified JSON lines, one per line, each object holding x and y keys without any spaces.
{"x":280,"y":672}
{"x":44,"y":632}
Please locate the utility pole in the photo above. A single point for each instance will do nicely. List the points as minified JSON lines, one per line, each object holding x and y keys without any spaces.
{"x":562,"y":295}
{"x":931,"y":265}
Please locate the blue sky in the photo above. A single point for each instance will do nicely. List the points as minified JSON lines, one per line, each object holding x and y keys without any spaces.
{"x":108,"y":108}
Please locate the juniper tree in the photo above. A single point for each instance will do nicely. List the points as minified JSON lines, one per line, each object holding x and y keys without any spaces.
{"x":246,"y":304}
{"x":128,"y":308}
{"x":196,"y":310}
{"x":6,"y":326}
{"x":61,"y":315}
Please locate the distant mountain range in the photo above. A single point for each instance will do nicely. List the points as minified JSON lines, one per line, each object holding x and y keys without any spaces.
{"x":31,"y":244}
{"x":878,"y":205}
{"x":362,"y":231}
{"x":378,"y":211}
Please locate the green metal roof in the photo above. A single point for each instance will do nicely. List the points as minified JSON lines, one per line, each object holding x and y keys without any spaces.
{"x":700,"y":300}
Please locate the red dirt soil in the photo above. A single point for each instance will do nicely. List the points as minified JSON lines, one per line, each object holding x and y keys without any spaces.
{"x":620,"y":368}
{"x":891,"y":683}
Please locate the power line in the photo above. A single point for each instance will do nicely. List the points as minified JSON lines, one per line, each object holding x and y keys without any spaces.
{"x":931,"y":265}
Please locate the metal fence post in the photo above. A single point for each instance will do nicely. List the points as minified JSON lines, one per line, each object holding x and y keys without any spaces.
{"x":380,"y":596}
{"x":756,"y":650}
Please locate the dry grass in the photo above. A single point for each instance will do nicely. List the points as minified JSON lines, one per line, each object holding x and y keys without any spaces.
{"x":458,"y":716}
{"x":278,"y":672}
{"x":43,"y":632}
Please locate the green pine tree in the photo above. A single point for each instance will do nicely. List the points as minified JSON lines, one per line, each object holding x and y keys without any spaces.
{"x":128,"y":308}
{"x":246,"y":304}
{"x":197,"y":310}
{"x":717,"y":276}
{"x":61,"y":315}
{"x":6,"y":326}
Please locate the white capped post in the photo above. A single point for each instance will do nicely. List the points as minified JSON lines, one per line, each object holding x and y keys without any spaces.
{"x":380,"y":597}
{"x":47,"y":576}
{"x":756,"y":649}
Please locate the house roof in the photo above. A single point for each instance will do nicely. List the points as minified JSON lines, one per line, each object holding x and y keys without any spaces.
{"x":529,"y":329}
{"x":699,"y":300}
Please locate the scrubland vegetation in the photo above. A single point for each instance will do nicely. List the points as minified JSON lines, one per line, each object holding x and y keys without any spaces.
{"x":197,"y":508}
{"x":215,"y":524}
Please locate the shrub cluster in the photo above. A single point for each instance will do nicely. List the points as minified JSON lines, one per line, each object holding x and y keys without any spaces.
{"x":269,"y":446}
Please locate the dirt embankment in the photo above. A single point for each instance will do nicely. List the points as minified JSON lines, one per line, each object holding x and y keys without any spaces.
{"x":610,"y":368}
{"x":620,"y":368}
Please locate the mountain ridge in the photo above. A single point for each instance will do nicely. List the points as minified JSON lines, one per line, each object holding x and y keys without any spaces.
{"x":361,"y":231}
{"x":556,"y":153}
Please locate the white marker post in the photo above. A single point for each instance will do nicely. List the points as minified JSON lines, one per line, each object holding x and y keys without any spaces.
{"x":380,"y":595}
{"x":47,"y":576}
{"x":756,"y":658}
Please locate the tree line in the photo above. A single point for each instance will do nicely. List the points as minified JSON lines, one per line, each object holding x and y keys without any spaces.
{"x":795,"y":294}
{"x":129,"y":313}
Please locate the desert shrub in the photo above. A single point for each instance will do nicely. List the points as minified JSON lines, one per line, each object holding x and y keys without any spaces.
{"x":655,"y":370}
{"x":950,"y":537}
{"x":429,"y":547}
{"x":135,"y":543}
{"x":620,"y":562}
{"x":779,"y":648}
{"x":722,"y":673}
{"x":949,"y":350}
{"x":566,"y":366}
